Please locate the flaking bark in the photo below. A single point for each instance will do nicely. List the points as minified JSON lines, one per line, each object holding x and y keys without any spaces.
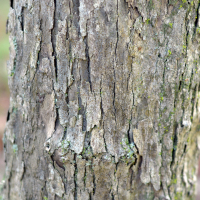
{"x":104,"y":100}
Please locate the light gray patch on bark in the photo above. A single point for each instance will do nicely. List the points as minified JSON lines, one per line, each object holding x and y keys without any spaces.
{"x":76,"y":136}
{"x":48,"y":114}
{"x":97,"y":141}
{"x":54,"y":185}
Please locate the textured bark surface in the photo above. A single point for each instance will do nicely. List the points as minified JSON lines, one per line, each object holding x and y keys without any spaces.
{"x":104,"y":100}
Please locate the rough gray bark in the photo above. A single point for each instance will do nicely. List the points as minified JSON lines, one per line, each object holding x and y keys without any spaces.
{"x":103,"y":97}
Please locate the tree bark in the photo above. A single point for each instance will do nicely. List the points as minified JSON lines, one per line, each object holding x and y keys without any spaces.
{"x":104,"y":100}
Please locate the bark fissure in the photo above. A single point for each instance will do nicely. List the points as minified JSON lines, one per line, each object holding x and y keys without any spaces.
{"x":197,"y":19}
{"x":53,"y":41}
{"x":175,"y":141}
{"x":94,"y":181}
{"x":22,"y":19}
{"x":11,"y":3}
{"x":75,"y":177}
{"x":88,"y":56}
{"x":114,"y":83}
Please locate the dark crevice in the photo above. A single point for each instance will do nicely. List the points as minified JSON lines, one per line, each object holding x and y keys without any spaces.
{"x":104,"y":139}
{"x":131,"y":176}
{"x":38,"y":56}
{"x":53,"y":41}
{"x":193,"y":101}
{"x":175,"y":141}
{"x":67,"y":34}
{"x":84,"y":179}
{"x":94,"y":183}
{"x":129,"y":132}
{"x":64,"y":134}
{"x":138,"y":12}
{"x":88,"y":58}
{"x":75,"y":177}
{"x":57,"y":119}
{"x":135,"y":161}
{"x":197,"y":19}
{"x":9,"y":183}
{"x":71,"y":76}
{"x":180,"y":83}
{"x":113,"y":198}
{"x":181,"y":86}
{"x":24,"y":171}
{"x":116,"y":166}
{"x":176,"y":91}
{"x":67,"y":99}
{"x":128,"y":81}
{"x":22,"y":19}
{"x":8,"y":116}
{"x":185,"y":147}
{"x":55,"y":62}
{"x":52,"y":160}
{"x":130,"y":136}
{"x":182,"y":177}
{"x":140,"y":159}
{"x":84,"y":122}
{"x":11,"y":3}
{"x":81,"y":107}
{"x":7,"y":23}
{"x":101,"y":104}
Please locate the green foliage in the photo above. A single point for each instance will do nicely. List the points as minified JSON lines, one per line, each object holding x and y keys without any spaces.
{"x":174,"y":181}
{"x":147,"y":21}
{"x":161,"y":97}
{"x":184,"y":46}
{"x":171,"y":25}
{"x":178,"y":196}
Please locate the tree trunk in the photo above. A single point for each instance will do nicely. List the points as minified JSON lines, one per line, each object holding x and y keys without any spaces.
{"x":104,"y":100}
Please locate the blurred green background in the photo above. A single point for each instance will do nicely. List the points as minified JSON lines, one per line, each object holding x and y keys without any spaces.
{"x":4,"y":91}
